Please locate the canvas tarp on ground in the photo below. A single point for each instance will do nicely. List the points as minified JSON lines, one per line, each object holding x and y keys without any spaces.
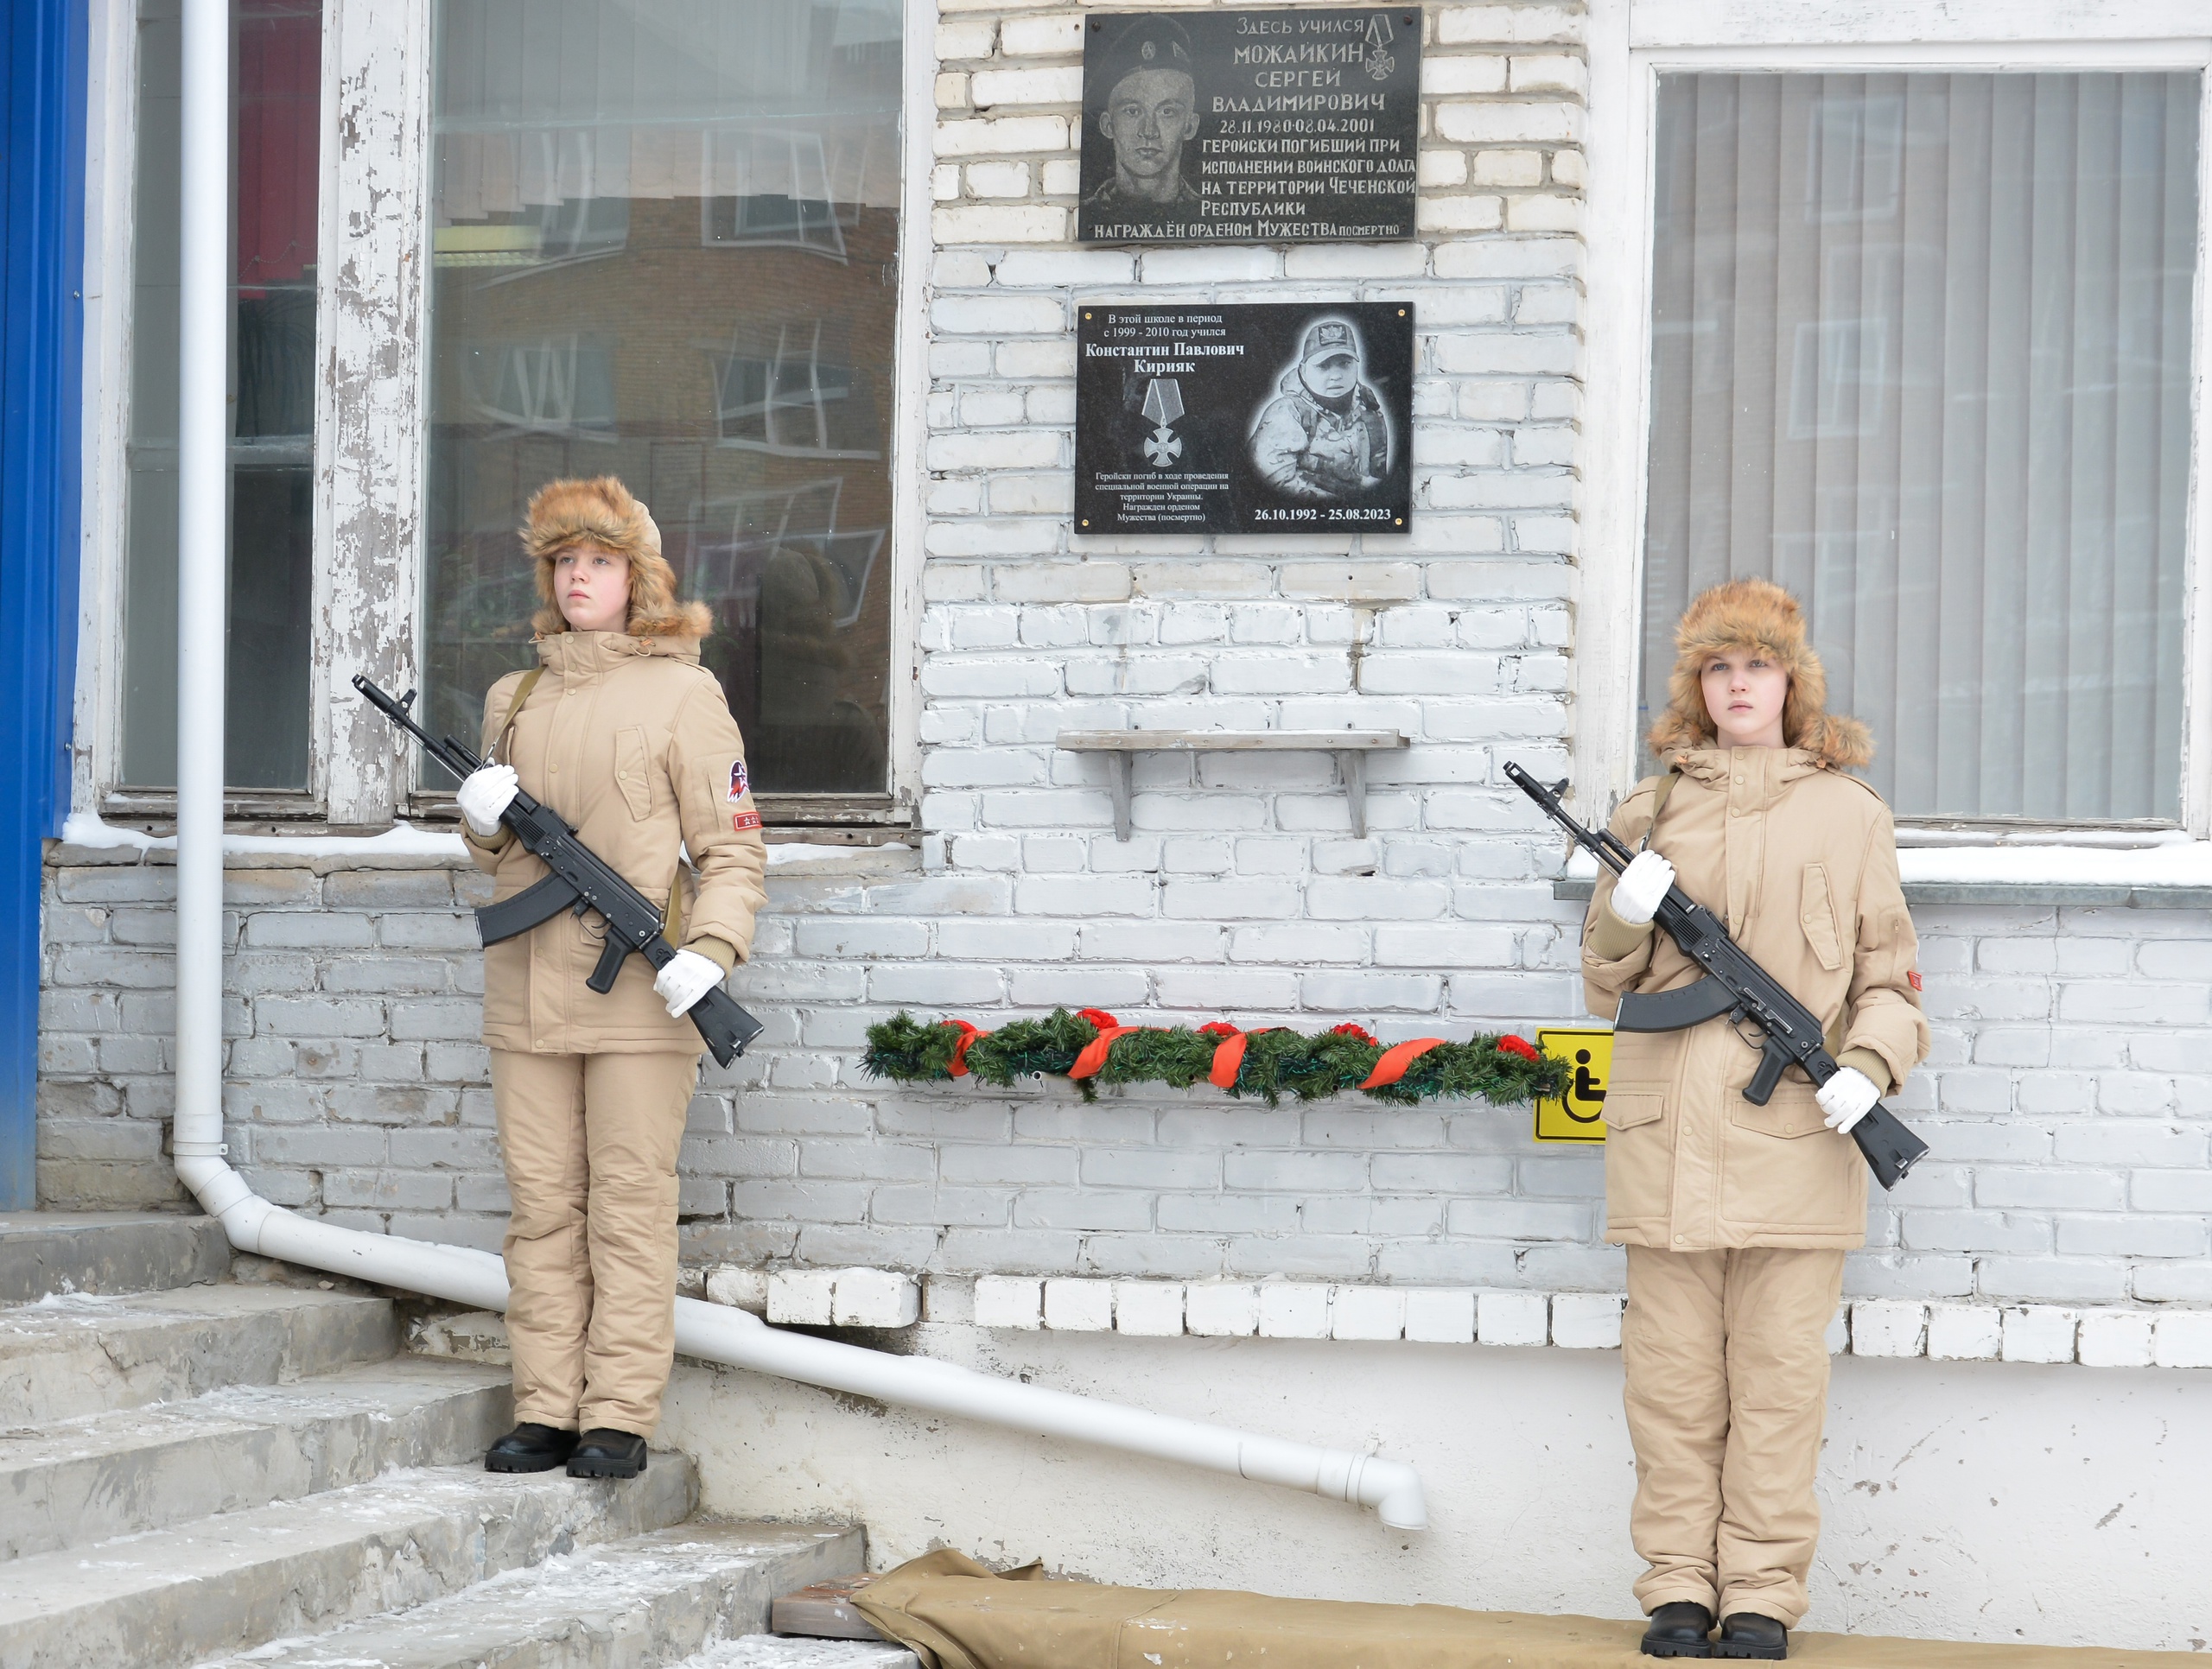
{"x":956,"y":1615}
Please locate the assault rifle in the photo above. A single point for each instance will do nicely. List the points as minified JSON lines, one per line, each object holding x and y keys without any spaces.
{"x":581,"y":880}
{"x":1735,"y":985}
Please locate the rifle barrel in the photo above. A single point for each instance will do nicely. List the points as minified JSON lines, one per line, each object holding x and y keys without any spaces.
{"x":1602,"y":845}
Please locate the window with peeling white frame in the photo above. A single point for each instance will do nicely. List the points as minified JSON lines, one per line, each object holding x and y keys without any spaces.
{"x":665,"y":247}
{"x":275,"y":103}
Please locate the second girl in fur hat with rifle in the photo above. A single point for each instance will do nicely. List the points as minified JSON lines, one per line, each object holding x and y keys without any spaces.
{"x":1737,"y":1216}
{"x":621,"y":731}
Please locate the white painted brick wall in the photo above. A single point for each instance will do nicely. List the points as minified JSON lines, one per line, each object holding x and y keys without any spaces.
{"x":2069,"y":1101}
{"x":2069,"y":1171}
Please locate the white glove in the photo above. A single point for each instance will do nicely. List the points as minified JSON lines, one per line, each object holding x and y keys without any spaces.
{"x":684,"y":977}
{"x":484,"y":795}
{"x":1642,"y":883}
{"x":1845,"y":1099}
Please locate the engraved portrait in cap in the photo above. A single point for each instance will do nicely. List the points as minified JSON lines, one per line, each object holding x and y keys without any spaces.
{"x":1325,"y":436}
{"x":1150,"y":115}
{"x":1282,"y":417}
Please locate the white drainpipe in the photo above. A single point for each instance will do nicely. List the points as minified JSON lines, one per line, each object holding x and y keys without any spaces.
{"x":708,"y":1332}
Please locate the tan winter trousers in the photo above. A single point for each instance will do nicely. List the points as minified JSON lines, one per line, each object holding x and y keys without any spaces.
{"x":590,"y":1145}
{"x":1728,"y":1363}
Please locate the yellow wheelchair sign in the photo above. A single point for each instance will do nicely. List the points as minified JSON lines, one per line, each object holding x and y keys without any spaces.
{"x":1580,"y":1115}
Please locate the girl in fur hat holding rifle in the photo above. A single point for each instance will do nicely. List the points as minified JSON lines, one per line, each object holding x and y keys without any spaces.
{"x":621,"y":731}
{"x":1737,"y":1217}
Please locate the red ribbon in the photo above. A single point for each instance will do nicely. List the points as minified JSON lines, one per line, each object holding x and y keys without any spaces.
{"x":1228,"y":1053}
{"x":1093,"y":1057}
{"x":968,"y":1035}
{"x":1395,"y":1059}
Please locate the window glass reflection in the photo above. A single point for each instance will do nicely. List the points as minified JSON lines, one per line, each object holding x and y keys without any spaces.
{"x":664,"y":248}
{"x":276,"y":88}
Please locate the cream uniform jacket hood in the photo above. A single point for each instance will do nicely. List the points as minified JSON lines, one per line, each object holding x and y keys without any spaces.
{"x":629,"y":738}
{"x":1801,"y":862}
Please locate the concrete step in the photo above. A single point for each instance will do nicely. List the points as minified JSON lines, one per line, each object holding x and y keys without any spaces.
{"x":226,"y":1584}
{"x":43,"y":1251}
{"x":777,"y":1651}
{"x":145,"y":1469}
{"x":65,"y":1357}
{"x":636,"y":1604}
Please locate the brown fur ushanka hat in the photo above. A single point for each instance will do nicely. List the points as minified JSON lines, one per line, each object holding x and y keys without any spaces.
{"x":1746,"y":615}
{"x":602,"y":512}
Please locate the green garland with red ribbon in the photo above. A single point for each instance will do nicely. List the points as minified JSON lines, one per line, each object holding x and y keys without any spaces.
{"x":1092,"y":1047}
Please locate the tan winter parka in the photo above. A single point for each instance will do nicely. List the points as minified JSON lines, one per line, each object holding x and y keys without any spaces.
{"x":1801,"y":862}
{"x":630,"y":739}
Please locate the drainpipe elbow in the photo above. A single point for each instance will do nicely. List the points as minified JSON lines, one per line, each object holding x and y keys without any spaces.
{"x":1393,"y":1490}
{"x":222,"y":1193}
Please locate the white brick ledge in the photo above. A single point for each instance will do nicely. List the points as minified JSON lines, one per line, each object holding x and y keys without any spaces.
{"x":821,"y":1297}
{"x":1312,"y":1310}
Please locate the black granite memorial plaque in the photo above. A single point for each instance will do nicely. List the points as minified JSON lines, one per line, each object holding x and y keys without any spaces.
{"x":1204,"y":127}
{"x":1276,"y":417}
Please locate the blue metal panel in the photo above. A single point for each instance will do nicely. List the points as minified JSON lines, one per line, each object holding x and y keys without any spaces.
{"x":41,"y":320}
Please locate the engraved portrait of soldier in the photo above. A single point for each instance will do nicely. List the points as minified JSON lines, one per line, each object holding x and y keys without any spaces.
{"x":1150,"y":115}
{"x":1324,"y":435}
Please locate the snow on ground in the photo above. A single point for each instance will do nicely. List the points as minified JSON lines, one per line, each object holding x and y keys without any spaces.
{"x":777,"y":1651}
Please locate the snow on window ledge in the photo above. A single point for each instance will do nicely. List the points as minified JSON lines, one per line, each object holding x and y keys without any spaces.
{"x":87,"y":840}
{"x":2175,"y":873}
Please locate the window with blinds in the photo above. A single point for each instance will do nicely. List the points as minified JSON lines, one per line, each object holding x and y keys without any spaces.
{"x":1921,"y":352}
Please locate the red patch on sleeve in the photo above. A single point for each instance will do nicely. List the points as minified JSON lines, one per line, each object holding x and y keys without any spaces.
{"x":1915,"y":977}
{"x":742,"y":820}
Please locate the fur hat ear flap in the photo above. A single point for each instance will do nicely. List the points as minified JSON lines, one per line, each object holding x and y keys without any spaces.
{"x":603,"y":512}
{"x":1754,"y":616}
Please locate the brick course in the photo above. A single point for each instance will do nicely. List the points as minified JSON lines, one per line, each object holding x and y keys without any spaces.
{"x":336,"y":1104}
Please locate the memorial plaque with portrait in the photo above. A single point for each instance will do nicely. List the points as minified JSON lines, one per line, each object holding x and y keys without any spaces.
{"x":1265,"y":126}
{"x":1274,"y":417}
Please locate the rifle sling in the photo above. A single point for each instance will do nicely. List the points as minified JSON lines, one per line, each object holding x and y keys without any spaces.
{"x":514,"y":711}
{"x":1659,"y":796}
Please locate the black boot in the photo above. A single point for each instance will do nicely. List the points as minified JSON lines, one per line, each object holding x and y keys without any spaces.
{"x":1748,"y":1634}
{"x":603,"y":1452}
{"x":1678,"y":1630}
{"x":530,"y":1448}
